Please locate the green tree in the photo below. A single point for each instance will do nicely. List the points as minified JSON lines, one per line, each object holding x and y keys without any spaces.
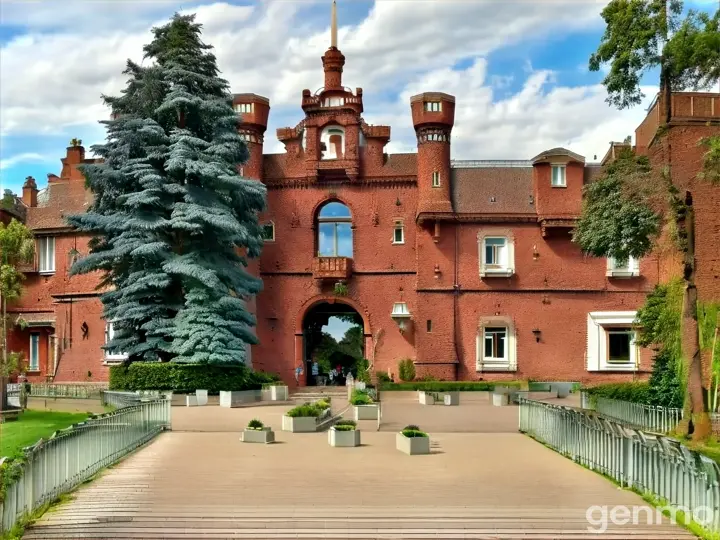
{"x":642,"y":35}
{"x":174,"y":221}
{"x":17,"y":248}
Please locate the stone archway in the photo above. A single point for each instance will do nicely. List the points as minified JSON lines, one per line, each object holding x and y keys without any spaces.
{"x":325,"y":303}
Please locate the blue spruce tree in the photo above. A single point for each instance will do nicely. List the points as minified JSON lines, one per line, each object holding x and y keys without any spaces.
{"x":214,"y":220}
{"x":127,"y":218}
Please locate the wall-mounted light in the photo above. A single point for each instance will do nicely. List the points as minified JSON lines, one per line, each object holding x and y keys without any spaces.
{"x":401,"y":315}
{"x":536,"y":254}
{"x":536,"y":332}
{"x":437,"y":271}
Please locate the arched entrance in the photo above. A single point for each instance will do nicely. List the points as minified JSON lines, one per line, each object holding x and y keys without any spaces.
{"x":332,"y":339}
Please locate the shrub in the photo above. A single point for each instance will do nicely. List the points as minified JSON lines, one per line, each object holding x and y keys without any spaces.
{"x":413,"y":433}
{"x":360,"y":397}
{"x":664,"y":388}
{"x":352,"y":423}
{"x":449,"y":386}
{"x":383,"y":377}
{"x":636,"y":392}
{"x":186,"y":378}
{"x":411,"y":427}
{"x":406,"y":370}
{"x":255,"y":424}
{"x":344,"y":427}
{"x":305,"y":410}
{"x":323,"y":403}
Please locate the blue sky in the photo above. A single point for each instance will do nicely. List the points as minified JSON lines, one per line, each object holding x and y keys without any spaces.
{"x":517,"y":68}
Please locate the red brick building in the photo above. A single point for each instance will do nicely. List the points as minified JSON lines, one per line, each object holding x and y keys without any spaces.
{"x":466,"y":267}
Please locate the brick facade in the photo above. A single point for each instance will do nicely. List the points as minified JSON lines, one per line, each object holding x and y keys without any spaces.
{"x":542,"y":294}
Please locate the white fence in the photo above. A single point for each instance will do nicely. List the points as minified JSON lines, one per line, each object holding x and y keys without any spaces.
{"x":645,"y":417}
{"x":78,"y":390}
{"x":649,"y":463}
{"x":71,"y":456}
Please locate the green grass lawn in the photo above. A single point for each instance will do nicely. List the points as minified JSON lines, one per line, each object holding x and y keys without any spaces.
{"x":33,"y":426}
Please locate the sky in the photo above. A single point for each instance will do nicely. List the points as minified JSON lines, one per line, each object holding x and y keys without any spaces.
{"x":518,"y":69}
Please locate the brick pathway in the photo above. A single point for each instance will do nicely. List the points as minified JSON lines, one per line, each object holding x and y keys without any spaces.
{"x":210,"y":485}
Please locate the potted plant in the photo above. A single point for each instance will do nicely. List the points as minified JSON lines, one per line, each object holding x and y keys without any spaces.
{"x":257,"y":432}
{"x":426,"y":398}
{"x":344,"y":434}
{"x":305,"y":418}
{"x":412,"y":441}
{"x":274,"y":391}
{"x":363,"y":405}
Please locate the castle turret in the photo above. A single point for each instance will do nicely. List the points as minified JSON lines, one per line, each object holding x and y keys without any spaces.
{"x":433,"y":115}
{"x":333,"y":60}
{"x":254,"y":111}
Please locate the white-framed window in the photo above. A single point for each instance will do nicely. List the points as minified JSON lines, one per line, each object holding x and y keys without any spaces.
{"x":34,"y":364}
{"x":496,"y":345}
{"x":623,"y":269}
{"x":557,"y":178}
{"x":334,"y":230}
{"x":46,"y":254}
{"x":433,"y":106}
{"x":333,"y":137}
{"x":496,"y":254}
{"x":112,"y":356}
{"x":611,"y":341}
{"x":399,"y":232}
{"x":334,"y":102}
{"x":244,"y":108}
{"x":436,"y":179}
{"x":268,"y":231}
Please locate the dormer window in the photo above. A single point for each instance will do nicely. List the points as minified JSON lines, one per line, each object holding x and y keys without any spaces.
{"x":334,"y":102}
{"x":435,"y":179}
{"x":558,"y":176}
{"x":244,"y":108}
{"x":333,"y":139}
{"x":433,"y":106}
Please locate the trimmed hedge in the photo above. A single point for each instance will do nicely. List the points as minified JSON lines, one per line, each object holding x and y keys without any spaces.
{"x":636,"y":392}
{"x":449,"y":386}
{"x":186,"y":378}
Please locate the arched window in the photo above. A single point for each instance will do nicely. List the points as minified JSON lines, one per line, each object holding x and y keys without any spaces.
{"x":333,"y":139}
{"x":334,"y":231}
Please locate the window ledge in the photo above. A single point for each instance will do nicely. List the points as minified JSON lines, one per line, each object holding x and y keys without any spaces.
{"x":33,"y":371}
{"x":398,"y":243}
{"x":495,"y":367}
{"x":622,"y":274}
{"x":561,"y":187}
{"x":46,"y":272}
{"x":497,"y":272}
{"x":616,"y":367}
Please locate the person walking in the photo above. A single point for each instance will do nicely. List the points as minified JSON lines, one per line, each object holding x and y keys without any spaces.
{"x":315,"y":370}
{"x":298,"y":372}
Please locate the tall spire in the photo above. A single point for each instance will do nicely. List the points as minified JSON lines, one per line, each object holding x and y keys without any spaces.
{"x":333,"y":25}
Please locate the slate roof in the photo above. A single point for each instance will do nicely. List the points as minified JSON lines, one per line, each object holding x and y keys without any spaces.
{"x":492,"y":190}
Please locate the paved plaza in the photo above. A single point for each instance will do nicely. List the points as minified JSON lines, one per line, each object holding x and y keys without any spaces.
{"x":200,"y":481}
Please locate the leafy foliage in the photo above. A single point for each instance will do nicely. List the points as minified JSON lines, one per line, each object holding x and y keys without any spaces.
{"x":406,"y":370}
{"x":173,"y":220}
{"x":312,"y":410}
{"x":255,"y":424}
{"x":636,"y":392}
{"x":360,"y":397}
{"x":616,"y":219}
{"x":711,"y":159}
{"x":412,"y":433}
{"x":448,"y":386}
{"x":185,"y":378}
{"x":664,"y":387}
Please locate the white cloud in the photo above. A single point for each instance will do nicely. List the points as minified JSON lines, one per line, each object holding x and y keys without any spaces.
{"x":26,"y":157}
{"x":272,"y":50}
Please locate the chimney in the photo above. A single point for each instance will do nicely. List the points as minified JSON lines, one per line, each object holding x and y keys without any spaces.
{"x":30,"y":192}
{"x":75,"y":152}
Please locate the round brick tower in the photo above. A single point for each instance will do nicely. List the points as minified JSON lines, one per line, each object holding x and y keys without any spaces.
{"x":433,"y":115}
{"x":253,"y":111}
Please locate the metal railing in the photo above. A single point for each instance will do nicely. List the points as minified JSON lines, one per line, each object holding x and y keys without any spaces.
{"x":71,"y":456}
{"x":78,"y":391}
{"x":647,"y":462}
{"x":646,"y":417}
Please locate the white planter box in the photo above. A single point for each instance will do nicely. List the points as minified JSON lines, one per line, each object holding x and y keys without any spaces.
{"x":412,"y":445}
{"x":500,"y":400}
{"x":202,"y":397}
{"x":366,"y":412}
{"x":299,"y":424}
{"x":191,"y":401}
{"x":235,"y":399}
{"x":344,"y":438}
{"x":275,"y":393}
{"x":266,"y":435}
{"x":451,"y":398}
{"x":425,"y":398}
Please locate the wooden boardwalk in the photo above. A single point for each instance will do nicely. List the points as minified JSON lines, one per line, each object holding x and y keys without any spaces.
{"x":193,"y":485}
